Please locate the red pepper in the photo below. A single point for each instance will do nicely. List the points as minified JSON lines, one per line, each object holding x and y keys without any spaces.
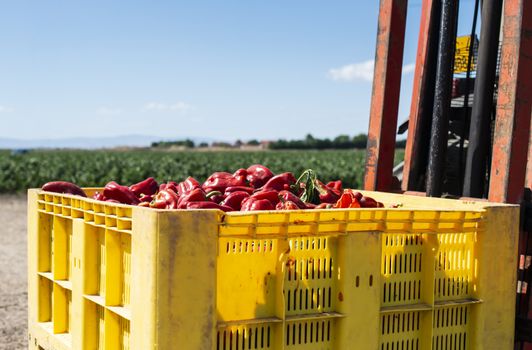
{"x":348,"y":199}
{"x":239,"y":188}
{"x":234,"y":199}
{"x":99,"y":196}
{"x":241,"y":175}
{"x":272,"y":196}
{"x":63,"y":187}
{"x":188,"y":185}
{"x":324,"y":206}
{"x":289,"y":196}
{"x":120,"y":193}
{"x":165,"y":199}
{"x":257,"y":204}
{"x":336,"y":185}
{"x":368,"y":202}
{"x":311,"y":205}
{"x":196,"y":195}
{"x":258,"y":175}
{"x":287,"y":205}
{"x":219,"y":181}
{"x":218,"y":198}
{"x":144,"y":204}
{"x":327,"y":194}
{"x":147,"y":198}
{"x":169,"y":185}
{"x":112,"y":201}
{"x":146,"y":187}
{"x":280,"y":182}
{"x":208,"y":205}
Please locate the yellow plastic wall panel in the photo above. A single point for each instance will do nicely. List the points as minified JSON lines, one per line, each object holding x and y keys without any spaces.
{"x":432,"y":274}
{"x":311,"y":334}
{"x":358,"y":292}
{"x":452,"y":328}
{"x":496,"y":251}
{"x":311,"y":276}
{"x":405,"y":330}
{"x":454,"y":266}
{"x":258,"y":336}
{"x":246,"y":278}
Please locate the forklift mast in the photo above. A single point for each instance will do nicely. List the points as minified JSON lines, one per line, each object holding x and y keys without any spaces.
{"x":495,"y":153}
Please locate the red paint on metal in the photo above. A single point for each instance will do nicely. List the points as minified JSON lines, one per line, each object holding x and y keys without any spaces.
{"x":512,"y":124}
{"x":412,"y":142}
{"x":528,"y":182}
{"x":385,"y":96}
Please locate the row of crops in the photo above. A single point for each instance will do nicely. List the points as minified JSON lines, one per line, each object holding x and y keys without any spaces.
{"x":95,"y":168}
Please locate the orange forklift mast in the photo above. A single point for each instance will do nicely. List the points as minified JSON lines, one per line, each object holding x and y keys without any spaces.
{"x":496,"y":163}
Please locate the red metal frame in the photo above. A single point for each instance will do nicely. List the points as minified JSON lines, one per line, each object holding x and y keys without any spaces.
{"x":385,"y":96}
{"x":528,"y":182}
{"x":412,"y":142}
{"x":512,"y":124}
{"x":512,"y":144}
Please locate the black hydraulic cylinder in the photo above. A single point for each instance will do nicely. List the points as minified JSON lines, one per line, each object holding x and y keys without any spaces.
{"x":442,"y":98}
{"x":419,"y":166}
{"x":479,"y":132}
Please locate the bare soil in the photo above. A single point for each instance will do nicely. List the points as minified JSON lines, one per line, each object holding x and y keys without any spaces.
{"x":13,"y":282}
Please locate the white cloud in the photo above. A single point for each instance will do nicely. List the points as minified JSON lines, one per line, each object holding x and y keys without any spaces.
{"x":179,"y":106}
{"x":5,"y":109}
{"x":108,"y":111}
{"x":361,"y":71}
{"x":351,"y":72}
{"x":409,"y":68}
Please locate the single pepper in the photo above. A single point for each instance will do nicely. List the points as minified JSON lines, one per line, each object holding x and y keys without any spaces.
{"x":241,"y":175}
{"x":285,"y":196}
{"x":218,"y":198}
{"x":187,"y":185}
{"x":120,"y":193}
{"x":169,"y":185}
{"x":287,"y":205}
{"x":146,"y":198}
{"x":196,"y":195}
{"x":208,"y":205}
{"x":258,"y":175}
{"x":368,"y":202}
{"x":146,"y":187}
{"x":327,"y":194}
{"x":219,"y":181}
{"x":280,"y":182}
{"x":63,"y":187}
{"x":272,"y":196}
{"x":239,"y":188}
{"x":348,"y":199}
{"x":165,"y":199}
{"x":324,"y":206}
{"x":256,"y":204}
{"x":234,"y":199}
{"x":99,"y":196}
{"x":336,"y":185}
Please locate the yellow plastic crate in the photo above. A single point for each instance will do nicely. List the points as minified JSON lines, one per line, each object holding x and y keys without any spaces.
{"x":432,"y":274}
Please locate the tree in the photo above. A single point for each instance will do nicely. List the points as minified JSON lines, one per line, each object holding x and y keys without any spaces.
{"x":253,"y":142}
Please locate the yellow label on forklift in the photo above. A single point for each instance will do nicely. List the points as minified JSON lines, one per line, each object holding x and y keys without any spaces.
{"x":462,"y":54}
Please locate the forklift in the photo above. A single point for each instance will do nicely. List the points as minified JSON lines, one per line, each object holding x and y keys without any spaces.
{"x":467,"y":138}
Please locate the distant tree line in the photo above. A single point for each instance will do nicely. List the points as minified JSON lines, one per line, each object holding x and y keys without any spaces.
{"x":311,"y":142}
{"x":359,"y":141}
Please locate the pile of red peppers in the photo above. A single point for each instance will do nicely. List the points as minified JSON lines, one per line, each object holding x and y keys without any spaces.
{"x":254,"y":188}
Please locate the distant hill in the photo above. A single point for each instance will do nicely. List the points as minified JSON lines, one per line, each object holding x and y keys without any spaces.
{"x":91,"y":142}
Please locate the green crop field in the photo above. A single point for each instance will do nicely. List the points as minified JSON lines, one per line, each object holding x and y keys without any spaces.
{"x":95,"y":168}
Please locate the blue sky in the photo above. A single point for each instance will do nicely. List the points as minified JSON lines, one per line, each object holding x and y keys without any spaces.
{"x":215,"y":69}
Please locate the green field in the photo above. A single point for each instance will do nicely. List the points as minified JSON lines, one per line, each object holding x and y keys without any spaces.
{"x":95,"y":168}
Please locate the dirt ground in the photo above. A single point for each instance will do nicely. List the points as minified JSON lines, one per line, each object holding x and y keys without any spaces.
{"x":13,"y":285}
